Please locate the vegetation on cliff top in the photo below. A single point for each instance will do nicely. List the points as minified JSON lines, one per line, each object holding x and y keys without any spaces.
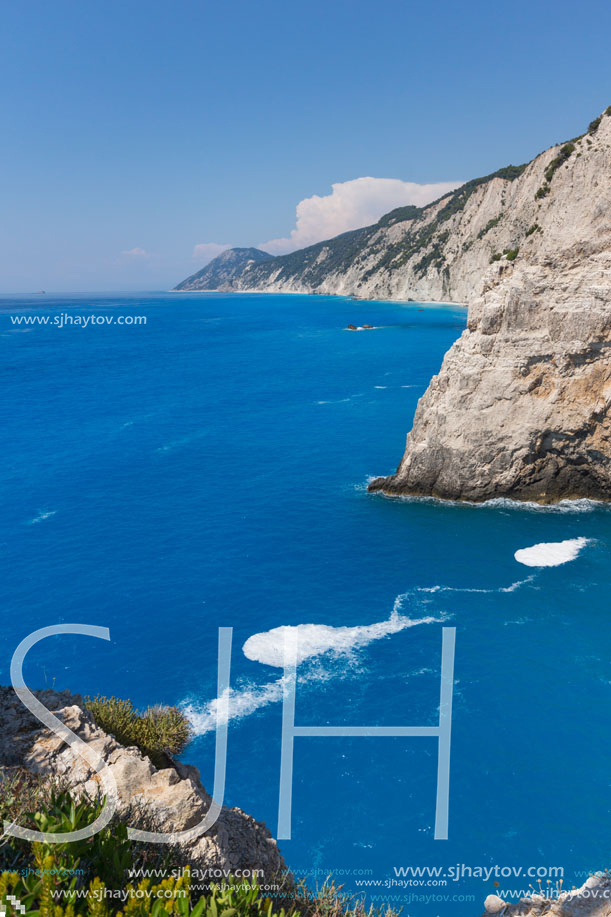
{"x":93,"y":877}
{"x":337,"y":255}
{"x":425,"y":239}
{"x":158,"y":732}
{"x":565,"y":153}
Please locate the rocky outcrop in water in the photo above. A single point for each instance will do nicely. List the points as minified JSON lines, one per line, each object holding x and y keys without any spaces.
{"x":173,"y":797}
{"x":520,"y":407}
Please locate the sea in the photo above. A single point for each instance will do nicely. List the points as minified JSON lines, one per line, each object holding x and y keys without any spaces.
{"x":207,"y":468}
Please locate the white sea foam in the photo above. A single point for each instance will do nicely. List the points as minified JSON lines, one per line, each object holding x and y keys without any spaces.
{"x":242,"y":703}
{"x":582,"y":505}
{"x":511,"y":588}
{"x":552,"y":553}
{"x":380,"y":386}
{"x":317,"y":639}
{"x":42,"y":516}
{"x":313,"y":641}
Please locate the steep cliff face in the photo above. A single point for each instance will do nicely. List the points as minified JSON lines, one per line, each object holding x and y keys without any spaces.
{"x":439,"y":252}
{"x":433,"y":253}
{"x":520,"y":407}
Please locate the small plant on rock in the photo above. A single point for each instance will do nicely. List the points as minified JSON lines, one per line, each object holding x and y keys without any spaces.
{"x":158,"y":732}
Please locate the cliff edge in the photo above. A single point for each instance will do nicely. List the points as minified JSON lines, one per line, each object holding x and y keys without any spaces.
{"x":520,"y":407}
{"x":173,"y":797}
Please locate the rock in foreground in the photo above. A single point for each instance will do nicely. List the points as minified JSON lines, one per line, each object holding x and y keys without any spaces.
{"x":593,"y":899}
{"x":174,"y":796}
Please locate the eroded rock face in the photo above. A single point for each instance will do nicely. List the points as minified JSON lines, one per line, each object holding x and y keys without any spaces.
{"x":174,"y":796}
{"x":520,"y":407}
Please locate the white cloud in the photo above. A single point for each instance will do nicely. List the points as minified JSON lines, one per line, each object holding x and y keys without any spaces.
{"x":136,"y":253}
{"x":351,"y":205}
{"x":206,"y":251}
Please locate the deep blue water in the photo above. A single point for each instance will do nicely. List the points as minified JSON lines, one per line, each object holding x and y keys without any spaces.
{"x":210,"y":468}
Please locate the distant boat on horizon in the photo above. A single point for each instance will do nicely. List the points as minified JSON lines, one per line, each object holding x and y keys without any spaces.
{"x":40,"y":291}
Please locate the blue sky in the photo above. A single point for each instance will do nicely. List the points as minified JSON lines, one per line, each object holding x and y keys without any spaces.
{"x":149,"y":128}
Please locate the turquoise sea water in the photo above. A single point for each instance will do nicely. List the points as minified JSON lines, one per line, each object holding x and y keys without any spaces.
{"x":209,"y":469}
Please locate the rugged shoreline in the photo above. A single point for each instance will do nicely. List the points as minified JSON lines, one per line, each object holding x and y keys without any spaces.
{"x":174,"y":796}
{"x":237,"y":842}
{"x":520,"y":407}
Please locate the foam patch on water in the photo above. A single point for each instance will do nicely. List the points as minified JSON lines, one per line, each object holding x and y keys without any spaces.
{"x":316,"y":639}
{"x":242,"y":703}
{"x":315,"y":642}
{"x":552,"y":553}
{"x":513,"y":587}
{"x":42,"y":516}
{"x":342,"y":400}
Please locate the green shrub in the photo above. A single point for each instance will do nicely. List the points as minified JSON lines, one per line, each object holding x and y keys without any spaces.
{"x":78,"y":878}
{"x":158,"y":732}
{"x":496,"y":257}
{"x":489,"y":225}
{"x":20,"y":794}
{"x":559,"y":160}
{"x":511,"y":253}
{"x":534,"y":228}
{"x":543,"y":191}
{"x":164,"y":729}
{"x":594,"y":125}
{"x":330,"y":900}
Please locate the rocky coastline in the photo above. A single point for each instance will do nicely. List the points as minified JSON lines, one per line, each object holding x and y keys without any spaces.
{"x":237,"y":844}
{"x":520,"y":407}
{"x":174,"y":796}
